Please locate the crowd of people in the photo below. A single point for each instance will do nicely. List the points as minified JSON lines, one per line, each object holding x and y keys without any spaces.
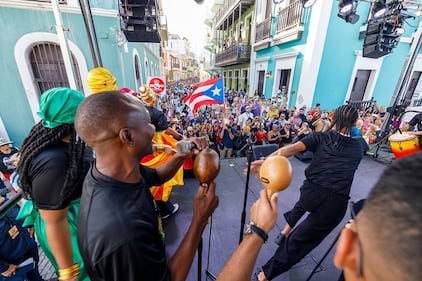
{"x":87,"y":153}
{"x":229,"y":126}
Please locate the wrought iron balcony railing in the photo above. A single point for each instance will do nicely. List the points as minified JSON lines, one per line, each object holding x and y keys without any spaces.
{"x":236,"y":54}
{"x":263,"y":30}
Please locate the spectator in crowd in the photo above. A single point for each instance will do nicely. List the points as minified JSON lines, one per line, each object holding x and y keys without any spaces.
{"x":243,"y":118}
{"x":287,"y":134}
{"x":52,"y":166}
{"x":274,"y":136}
{"x":125,"y":241}
{"x":302,"y":114}
{"x":19,"y":251}
{"x":6,"y":152}
{"x":303,"y":131}
{"x":227,"y":134}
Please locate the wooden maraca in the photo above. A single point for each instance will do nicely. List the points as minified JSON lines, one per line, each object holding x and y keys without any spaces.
{"x":275,"y":174}
{"x":206,"y":166}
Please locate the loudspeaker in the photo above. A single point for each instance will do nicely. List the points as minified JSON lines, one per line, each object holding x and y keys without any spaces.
{"x":139,"y":21}
{"x":260,"y":151}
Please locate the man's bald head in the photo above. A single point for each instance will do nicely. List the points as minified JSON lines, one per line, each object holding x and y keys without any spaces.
{"x":100,"y":117}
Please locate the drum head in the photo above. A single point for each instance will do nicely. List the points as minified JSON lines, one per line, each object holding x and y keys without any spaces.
{"x":397,"y":137}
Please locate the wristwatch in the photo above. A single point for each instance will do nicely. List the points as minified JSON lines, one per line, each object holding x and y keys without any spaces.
{"x":252,"y":228}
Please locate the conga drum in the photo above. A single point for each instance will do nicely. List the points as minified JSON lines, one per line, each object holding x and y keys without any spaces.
{"x":403,"y":144}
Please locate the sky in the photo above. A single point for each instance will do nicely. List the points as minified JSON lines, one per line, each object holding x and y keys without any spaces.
{"x":186,"y":18}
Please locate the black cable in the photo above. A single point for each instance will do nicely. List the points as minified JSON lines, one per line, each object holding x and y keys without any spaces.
{"x":323,"y":257}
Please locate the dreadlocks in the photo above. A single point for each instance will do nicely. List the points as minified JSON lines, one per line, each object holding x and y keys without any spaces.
{"x":41,"y":138}
{"x":343,"y":119}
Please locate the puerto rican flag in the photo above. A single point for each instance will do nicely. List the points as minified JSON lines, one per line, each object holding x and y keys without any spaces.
{"x":208,"y":92}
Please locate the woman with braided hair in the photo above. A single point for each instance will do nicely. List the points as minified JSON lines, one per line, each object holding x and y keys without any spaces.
{"x":51,"y":170}
{"x":324,"y":193}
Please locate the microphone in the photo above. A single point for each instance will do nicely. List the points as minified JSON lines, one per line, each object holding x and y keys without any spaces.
{"x":185,"y":146}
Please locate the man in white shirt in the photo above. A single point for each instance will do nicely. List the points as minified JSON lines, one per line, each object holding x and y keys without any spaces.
{"x":244,"y":117}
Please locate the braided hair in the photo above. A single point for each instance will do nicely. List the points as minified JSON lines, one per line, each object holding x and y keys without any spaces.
{"x":344,"y":118}
{"x":41,"y":138}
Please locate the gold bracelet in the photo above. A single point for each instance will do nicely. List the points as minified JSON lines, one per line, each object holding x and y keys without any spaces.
{"x":70,"y":272}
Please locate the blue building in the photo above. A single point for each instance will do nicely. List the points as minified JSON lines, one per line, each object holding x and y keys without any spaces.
{"x":32,"y":60}
{"x":314,"y":56}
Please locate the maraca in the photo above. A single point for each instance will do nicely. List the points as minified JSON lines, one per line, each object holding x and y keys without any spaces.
{"x":206,"y":166}
{"x":275,"y":174}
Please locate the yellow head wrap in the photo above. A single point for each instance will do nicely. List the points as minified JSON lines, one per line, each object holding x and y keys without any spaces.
{"x":147,"y":95}
{"x":101,"y":80}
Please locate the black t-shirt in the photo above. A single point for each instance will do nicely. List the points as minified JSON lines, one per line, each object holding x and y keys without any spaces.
{"x":118,"y":231}
{"x":417,"y":121}
{"x":6,"y":166}
{"x":334,"y":162}
{"x":158,"y":119}
{"x":47,"y":173}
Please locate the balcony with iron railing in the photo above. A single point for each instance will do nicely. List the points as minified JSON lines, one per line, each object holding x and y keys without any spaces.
{"x":236,"y":54}
{"x":289,"y":23}
{"x":263,"y":34}
{"x":231,"y":6}
{"x":263,"y":30}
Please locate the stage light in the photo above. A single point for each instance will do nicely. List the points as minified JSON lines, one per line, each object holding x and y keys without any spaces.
{"x":378,"y":10}
{"x":345,"y":7}
{"x":308,"y":3}
{"x":347,"y":11}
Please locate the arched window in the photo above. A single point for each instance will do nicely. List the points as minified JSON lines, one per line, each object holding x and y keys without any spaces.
{"x":48,"y":67}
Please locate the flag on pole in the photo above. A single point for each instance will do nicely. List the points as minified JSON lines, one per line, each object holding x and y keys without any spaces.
{"x":208,"y":92}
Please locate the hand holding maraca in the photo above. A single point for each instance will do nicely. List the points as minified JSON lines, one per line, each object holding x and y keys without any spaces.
{"x":206,"y":168}
{"x":275,"y":174}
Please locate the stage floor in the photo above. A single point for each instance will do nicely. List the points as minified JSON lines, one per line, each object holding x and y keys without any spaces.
{"x":221,"y":237}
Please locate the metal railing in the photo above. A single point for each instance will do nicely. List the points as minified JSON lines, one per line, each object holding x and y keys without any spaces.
{"x":239,"y":53}
{"x":290,"y":17}
{"x":224,"y":8}
{"x":263,"y":30}
{"x":363,"y":104}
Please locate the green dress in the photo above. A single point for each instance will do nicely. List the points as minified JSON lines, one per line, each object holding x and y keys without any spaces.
{"x":33,"y":217}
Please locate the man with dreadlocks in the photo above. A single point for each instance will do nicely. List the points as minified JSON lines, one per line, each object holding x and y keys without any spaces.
{"x":51,"y":170}
{"x":324,"y":193}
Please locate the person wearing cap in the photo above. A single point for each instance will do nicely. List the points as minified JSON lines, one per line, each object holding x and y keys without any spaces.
{"x":6,"y":152}
{"x":52,"y":166}
{"x":243,"y":118}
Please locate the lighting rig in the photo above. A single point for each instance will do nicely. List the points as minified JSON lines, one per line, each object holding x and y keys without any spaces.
{"x":384,"y":24}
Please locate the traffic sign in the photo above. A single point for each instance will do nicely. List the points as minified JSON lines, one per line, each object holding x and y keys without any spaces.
{"x":157,"y":85}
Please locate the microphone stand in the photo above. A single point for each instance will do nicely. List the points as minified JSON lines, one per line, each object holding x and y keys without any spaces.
{"x":249,"y":143}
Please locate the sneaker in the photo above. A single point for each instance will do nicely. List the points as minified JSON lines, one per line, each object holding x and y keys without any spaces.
{"x":280,"y":238}
{"x":175,"y":209}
